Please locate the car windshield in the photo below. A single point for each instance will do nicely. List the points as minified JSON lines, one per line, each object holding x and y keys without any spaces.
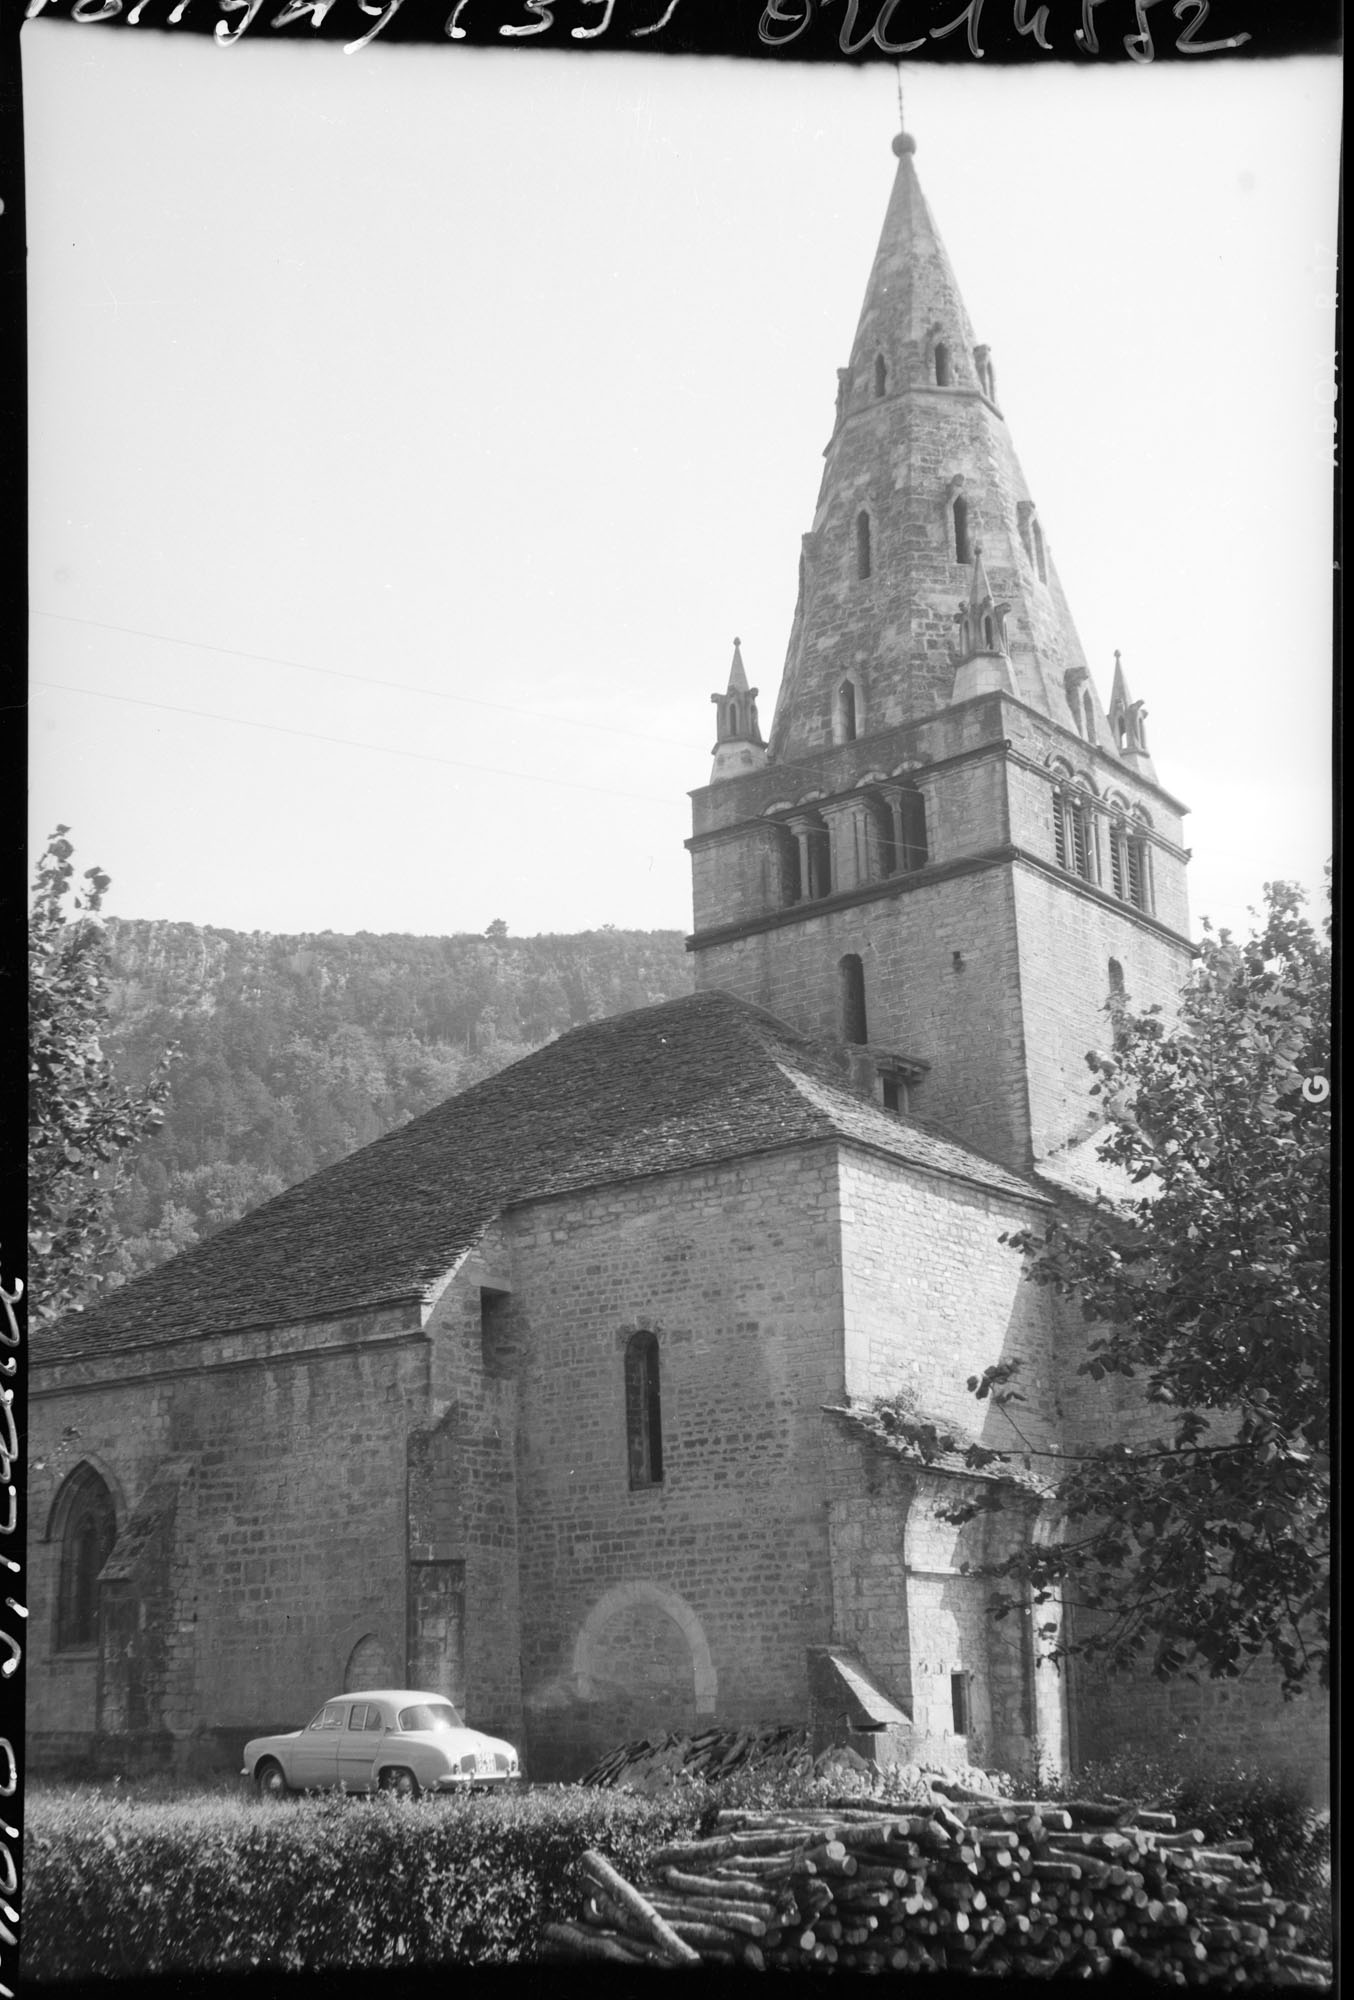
{"x":430,"y":1715}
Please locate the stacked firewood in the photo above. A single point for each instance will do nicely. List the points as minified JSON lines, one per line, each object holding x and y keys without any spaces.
{"x":1018,"y":1887}
{"x":715,"y":1753}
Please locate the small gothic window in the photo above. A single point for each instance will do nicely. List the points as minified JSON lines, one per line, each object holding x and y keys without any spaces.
{"x":942,"y":364}
{"x":853,"y":999}
{"x":1116,"y":980}
{"x":643,"y":1410}
{"x":1088,"y":713}
{"x":989,"y":637}
{"x":733,"y":718}
{"x":961,"y":545}
{"x":846,"y":712}
{"x":88,"y":1532}
{"x":959,"y":1703}
{"x":895,"y":1092}
{"x":1039,"y":562}
{"x":862,"y":544}
{"x":881,"y":375}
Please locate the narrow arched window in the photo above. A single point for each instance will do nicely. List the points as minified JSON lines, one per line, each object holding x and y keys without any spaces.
{"x":846,"y":712}
{"x":961,"y":547}
{"x":1039,"y":562}
{"x":1116,"y":980}
{"x":862,"y":544}
{"x":643,"y":1410}
{"x":733,"y":718}
{"x":1089,"y":715}
{"x":87,"y":1529}
{"x":881,"y":375}
{"x":942,"y":364}
{"x":989,"y":636}
{"x":853,"y":999}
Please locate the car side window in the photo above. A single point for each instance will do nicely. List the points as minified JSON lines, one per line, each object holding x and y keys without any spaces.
{"x":330,"y":1716}
{"x":357,"y":1715}
{"x":374,"y":1718}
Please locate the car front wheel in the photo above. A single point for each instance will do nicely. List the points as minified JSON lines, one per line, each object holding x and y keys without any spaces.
{"x":403,"y":1783}
{"x":270,"y":1780}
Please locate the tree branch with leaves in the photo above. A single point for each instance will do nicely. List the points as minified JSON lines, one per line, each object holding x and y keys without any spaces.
{"x":1203,"y":1544}
{"x":81,"y":1121}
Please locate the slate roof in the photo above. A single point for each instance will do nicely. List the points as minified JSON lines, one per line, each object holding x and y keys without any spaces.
{"x":684,"y":1084}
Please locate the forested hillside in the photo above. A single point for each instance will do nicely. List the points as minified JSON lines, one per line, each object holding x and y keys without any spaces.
{"x":295,"y":1050}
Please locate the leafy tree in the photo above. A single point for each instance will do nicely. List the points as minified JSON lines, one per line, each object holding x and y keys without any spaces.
{"x":497,"y":929}
{"x":80,"y":1121}
{"x":1204,"y":1543}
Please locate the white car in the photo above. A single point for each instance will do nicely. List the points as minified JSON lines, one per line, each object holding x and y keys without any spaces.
{"x":381,"y":1739}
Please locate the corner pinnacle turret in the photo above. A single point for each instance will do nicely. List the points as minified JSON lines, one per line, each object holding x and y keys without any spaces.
{"x":738,"y":735}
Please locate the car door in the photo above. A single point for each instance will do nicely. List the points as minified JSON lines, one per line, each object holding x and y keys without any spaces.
{"x":359,"y":1740}
{"x":314,"y":1760}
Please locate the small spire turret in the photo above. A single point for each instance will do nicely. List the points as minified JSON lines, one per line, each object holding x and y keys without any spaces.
{"x":984,"y":666}
{"x":738,"y":737}
{"x":1126,"y":719}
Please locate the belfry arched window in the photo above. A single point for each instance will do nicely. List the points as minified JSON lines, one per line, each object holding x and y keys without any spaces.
{"x":1129,"y":865}
{"x":942,"y":364}
{"x":1074,"y":832}
{"x":862,"y":544}
{"x":962,"y":552}
{"x":86,"y":1524}
{"x":643,"y":1410}
{"x":852,"y":972}
{"x":733,"y":718}
{"x":848,"y":714}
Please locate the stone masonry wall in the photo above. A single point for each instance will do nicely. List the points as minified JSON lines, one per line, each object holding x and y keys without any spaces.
{"x":735,"y":1269}
{"x":941,"y":985}
{"x":295,"y":1522}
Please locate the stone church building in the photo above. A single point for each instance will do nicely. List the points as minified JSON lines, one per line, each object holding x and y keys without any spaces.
{"x":558,"y":1399}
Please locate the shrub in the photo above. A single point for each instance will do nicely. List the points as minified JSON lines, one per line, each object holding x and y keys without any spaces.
{"x":116,"y":1886}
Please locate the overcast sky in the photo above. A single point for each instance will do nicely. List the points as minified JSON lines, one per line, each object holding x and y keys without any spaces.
{"x":411,"y":432}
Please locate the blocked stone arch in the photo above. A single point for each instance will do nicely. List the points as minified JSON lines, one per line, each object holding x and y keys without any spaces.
{"x":643,"y":1594}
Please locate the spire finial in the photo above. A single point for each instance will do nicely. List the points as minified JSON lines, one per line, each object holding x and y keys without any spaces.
{"x":904,"y":141}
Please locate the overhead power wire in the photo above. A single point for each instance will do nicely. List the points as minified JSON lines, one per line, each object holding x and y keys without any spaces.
{"x":368,"y":680}
{"x":372,"y":749}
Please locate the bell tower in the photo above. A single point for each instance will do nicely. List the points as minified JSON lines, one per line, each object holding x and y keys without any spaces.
{"x":948,"y":852}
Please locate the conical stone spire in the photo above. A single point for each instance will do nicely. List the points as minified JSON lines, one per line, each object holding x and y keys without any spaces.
{"x":919,"y":470}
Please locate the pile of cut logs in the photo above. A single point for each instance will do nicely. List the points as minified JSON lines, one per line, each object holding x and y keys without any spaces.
{"x":716,"y":1753}
{"x":1008,"y":1887}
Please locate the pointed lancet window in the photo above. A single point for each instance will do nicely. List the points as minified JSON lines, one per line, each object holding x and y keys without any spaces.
{"x":862,"y":544}
{"x":943,"y":376}
{"x":1039,"y":560}
{"x":962,"y":551}
{"x":846,"y":712}
{"x":87,"y":1525}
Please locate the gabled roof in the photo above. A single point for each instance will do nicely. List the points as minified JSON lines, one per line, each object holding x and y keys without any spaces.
{"x":684,"y":1084}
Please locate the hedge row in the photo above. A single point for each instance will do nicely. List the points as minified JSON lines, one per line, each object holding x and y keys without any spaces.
{"x":113,"y":1887}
